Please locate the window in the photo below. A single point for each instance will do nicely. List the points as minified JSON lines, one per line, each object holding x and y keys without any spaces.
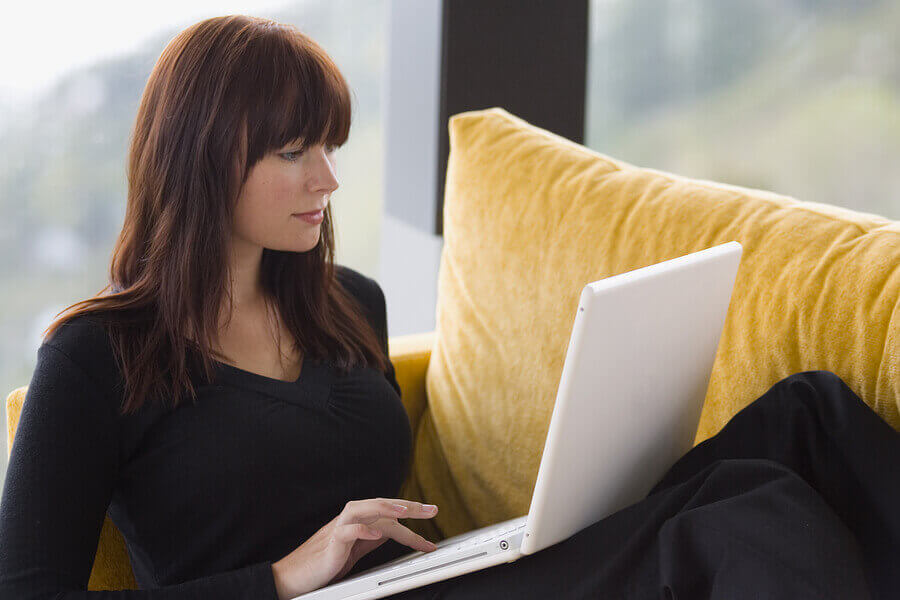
{"x":798,"y":97}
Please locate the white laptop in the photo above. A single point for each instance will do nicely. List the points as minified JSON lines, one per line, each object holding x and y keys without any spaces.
{"x":627,"y":408}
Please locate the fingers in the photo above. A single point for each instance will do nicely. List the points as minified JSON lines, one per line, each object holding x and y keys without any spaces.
{"x":406,"y":536}
{"x":364,"y":519}
{"x":351,"y":532}
{"x":379,"y":508}
{"x":416,"y":510}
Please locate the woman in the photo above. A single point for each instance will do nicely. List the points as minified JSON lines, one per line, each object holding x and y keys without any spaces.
{"x":278,"y":474}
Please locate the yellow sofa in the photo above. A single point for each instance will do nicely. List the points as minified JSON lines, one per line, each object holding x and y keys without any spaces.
{"x":529,"y":218}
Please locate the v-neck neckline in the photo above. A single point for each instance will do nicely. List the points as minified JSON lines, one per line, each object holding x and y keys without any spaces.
{"x":313,"y":385}
{"x":265,"y":378}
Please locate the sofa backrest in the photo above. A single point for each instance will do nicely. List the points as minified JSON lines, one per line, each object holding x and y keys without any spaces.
{"x":531,"y":217}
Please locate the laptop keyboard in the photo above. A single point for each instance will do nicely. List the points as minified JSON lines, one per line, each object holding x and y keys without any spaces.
{"x":478,"y":537}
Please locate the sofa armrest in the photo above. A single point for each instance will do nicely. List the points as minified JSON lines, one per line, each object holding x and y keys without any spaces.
{"x":410,"y":355}
{"x":14,"y":401}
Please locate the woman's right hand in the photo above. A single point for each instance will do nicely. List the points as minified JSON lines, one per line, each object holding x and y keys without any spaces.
{"x":332,"y":551}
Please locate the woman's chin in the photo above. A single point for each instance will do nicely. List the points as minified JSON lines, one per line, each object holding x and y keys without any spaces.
{"x":296,"y":245}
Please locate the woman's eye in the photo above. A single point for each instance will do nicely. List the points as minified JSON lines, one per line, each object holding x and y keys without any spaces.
{"x":289,"y":156}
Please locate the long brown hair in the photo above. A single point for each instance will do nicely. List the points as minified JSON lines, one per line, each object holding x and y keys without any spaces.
{"x":223,"y":93}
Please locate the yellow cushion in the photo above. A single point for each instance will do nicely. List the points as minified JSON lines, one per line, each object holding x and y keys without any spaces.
{"x":531,"y":217}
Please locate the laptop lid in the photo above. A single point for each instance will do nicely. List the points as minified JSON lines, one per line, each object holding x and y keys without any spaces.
{"x":632,"y":388}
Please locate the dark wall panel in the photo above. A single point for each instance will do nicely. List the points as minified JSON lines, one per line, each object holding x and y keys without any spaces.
{"x":527,"y":56}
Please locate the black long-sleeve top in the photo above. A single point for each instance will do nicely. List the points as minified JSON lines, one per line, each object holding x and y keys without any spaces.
{"x":206,"y":496}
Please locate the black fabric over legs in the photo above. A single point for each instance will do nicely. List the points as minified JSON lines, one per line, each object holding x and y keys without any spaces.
{"x":796,"y":497}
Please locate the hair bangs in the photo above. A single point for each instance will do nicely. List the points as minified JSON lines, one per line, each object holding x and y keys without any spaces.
{"x":315,"y":106}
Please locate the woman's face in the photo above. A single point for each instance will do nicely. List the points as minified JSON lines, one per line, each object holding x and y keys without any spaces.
{"x":281,"y":185}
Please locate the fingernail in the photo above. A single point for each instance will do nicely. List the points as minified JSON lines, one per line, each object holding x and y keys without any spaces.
{"x":429,"y":507}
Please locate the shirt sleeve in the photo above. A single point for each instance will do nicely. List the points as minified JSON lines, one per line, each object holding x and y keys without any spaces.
{"x":62,"y":471}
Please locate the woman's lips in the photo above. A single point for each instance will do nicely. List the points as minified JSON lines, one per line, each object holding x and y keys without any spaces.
{"x":313,"y":217}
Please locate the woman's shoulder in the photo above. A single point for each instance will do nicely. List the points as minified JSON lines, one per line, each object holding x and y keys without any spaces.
{"x":364,"y":288}
{"x":84,"y":340}
{"x":82,"y":334}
